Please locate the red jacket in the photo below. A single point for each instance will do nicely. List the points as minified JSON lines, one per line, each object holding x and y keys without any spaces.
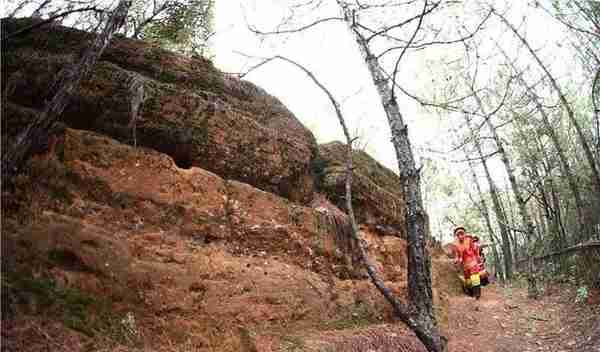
{"x":467,"y":254}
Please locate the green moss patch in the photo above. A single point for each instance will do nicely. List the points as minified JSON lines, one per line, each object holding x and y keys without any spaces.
{"x":23,"y":293}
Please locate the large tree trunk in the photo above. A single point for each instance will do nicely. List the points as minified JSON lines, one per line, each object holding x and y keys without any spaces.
{"x":419,"y":264}
{"x":582,"y":139}
{"x":516,"y":189}
{"x":500,"y":215}
{"x":66,"y":83}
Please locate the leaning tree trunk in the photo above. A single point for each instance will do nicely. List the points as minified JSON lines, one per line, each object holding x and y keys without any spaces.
{"x":582,"y":139}
{"x":549,"y":129}
{"x":499,"y":268}
{"x":558,"y":223}
{"x":552,"y":211}
{"x":66,"y":83}
{"x":407,"y":314}
{"x":419,"y":264}
{"x":596,"y":106}
{"x":411,"y":316}
{"x":525,"y":217}
{"x":483,"y":209}
{"x":500,"y":215}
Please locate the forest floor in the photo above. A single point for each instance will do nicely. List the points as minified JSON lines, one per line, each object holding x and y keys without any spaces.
{"x":505,"y":320}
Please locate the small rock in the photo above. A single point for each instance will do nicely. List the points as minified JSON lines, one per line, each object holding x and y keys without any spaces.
{"x":153,"y":237}
{"x":178,"y":258}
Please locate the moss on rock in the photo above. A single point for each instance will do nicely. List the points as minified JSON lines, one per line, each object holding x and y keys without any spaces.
{"x":377,"y":192}
{"x":190,"y":110}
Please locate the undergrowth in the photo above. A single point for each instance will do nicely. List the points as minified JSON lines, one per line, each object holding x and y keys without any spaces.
{"x":360,"y":315}
{"x":23,"y":293}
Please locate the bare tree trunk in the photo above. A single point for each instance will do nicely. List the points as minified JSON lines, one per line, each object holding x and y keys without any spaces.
{"x":552,"y":211}
{"x":542,"y":212}
{"x":66,"y":84}
{"x":566,"y":168}
{"x":483,"y":209}
{"x":558,"y":216}
{"x":516,"y":189}
{"x":497,"y":261}
{"x":419,"y":275}
{"x":595,"y":103}
{"x":419,"y":263}
{"x":426,"y":330}
{"x":500,"y":215}
{"x":586,"y":148}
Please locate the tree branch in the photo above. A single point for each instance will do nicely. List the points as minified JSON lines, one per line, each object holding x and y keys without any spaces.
{"x":437,"y":42}
{"x":293,"y":30}
{"x":403,"y":23}
{"x":405,"y":48}
{"x":28,"y":29}
{"x":406,"y":313}
{"x":483,"y":157}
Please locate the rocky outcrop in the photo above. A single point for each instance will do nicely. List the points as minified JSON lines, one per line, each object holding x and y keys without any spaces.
{"x":378,"y":200}
{"x":183,"y":107}
{"x":185,"y":251}
{"x":193,"y":225}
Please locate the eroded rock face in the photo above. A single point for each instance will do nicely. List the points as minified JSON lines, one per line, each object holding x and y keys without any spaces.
{"x":185,"y":251}
{"x":185,"y":107}
{"x":377,"y":195}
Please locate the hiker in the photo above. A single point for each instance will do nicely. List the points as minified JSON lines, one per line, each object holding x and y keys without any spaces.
{"x":466,"y":250}
{"x":478,"y":249}
{"x":481,"y":260}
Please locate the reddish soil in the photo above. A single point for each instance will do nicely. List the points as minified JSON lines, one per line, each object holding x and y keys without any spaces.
{"x":505,"y":320}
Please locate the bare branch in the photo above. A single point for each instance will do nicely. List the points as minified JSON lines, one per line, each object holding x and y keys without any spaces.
{"x":155,"y":12}
{"x":568,"y":25}
{"x":403,"y":23}
{"x":38,"y":12}
{"x":66,"y":82}
{"x":19,"y":7}
{"x":406,"y":313}
{"x":293,"y":30}
{"x":405,"y":48}
{"x":28,"y":29}
{"x":437,"y":42}
{"x":570,"y":113}
{"x":441,"y":105}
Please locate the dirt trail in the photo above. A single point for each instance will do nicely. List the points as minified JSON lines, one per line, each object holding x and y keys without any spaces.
{"x":504,"y":320}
